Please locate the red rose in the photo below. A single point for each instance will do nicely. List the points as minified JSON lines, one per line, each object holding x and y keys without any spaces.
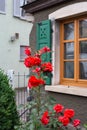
{"x":37,"y":61}
{"x":44,"y":50}
{"x":76,"y":122}
{"x":45,"y":118}
{"x":69,"y":113}
{"x":34,"y":82}
{"x":46,"y":114}
{"x":58,"y":108}
{"x":41,"y":81}
{"x":29,"y":61}
{"x":32,"y":61}
{"x":47,"y":67}
{"x":64,"y":120}
{"x":28,"y":51}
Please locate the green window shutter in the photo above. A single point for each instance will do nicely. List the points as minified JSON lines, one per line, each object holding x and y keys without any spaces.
{"x":43,"y":35}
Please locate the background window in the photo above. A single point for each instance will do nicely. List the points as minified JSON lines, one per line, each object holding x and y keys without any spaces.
{"x":2,"y":6}
{"x":22,"y":52}
{"x":18,"y":11}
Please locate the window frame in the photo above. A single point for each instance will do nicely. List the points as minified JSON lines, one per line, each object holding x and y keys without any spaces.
{"x":3,"y":12}
{"x":23,"y":54}
{"x":20,"y":11}
{"x":75,"y":81}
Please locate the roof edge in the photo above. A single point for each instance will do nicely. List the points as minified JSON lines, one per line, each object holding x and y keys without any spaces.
{"x":41,"y":4}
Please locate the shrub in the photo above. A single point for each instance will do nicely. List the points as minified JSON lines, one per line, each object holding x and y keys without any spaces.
{"x":8,"y":112}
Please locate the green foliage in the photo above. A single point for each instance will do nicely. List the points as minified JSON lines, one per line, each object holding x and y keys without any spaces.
{"x":8,"y":113}
{"x":46,"y":103}
{"x":85,"y":126}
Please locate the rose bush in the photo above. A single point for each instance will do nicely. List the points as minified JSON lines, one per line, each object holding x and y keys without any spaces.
{"x":63,"y":117}
{"x":45,"y":113}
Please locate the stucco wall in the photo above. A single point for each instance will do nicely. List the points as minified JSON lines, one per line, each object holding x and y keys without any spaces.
{"x":10,"y":51}
{"x":78,"y":103}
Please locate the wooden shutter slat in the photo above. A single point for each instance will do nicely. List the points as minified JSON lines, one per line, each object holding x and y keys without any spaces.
{"x":44,"y":39}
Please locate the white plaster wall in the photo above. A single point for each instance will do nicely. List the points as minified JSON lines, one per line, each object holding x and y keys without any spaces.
{"x":10,"y":51}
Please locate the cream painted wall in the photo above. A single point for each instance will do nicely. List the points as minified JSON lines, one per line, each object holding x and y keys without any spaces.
{"x":10,"y":51}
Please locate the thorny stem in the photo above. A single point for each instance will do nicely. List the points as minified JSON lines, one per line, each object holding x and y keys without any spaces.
{"x":39,"y":101}
{"x":39,"y":98}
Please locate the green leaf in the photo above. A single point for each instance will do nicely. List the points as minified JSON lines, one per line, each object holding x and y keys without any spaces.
{"x":21,"y":106}
{"x":85,"y":125}
{"x":31,"y":127}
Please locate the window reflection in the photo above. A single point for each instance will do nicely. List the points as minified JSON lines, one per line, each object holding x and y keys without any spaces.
{"x":83,"y":50}
{"x":69,"y":31}
{"x":83,"y":70}
{"x":83,"y":28}
{"x":68,"y":70}
{"x":69,"y":50}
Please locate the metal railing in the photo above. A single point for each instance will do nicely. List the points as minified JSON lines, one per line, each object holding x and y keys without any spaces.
{"x":21,"y":95}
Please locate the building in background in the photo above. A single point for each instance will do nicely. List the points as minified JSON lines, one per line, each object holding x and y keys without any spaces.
{"x":62,"y":26}
{"x":15,"y":28}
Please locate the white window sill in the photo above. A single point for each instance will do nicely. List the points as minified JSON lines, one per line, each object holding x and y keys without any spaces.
{"x":21,"y":60}
{"x":27,"y":19}
{"x":1,"y":12}
{"x":73,"y":90}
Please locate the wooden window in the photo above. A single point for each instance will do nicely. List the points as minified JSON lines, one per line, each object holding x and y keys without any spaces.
{"x":2,"y":6}
{"x":73,"y":51}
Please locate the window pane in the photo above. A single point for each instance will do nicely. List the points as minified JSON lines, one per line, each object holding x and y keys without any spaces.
{"x":17,"y":8}
{"x":69,"y":50}
{"x":68,"y":70}
{"x":22,"y":11}
{"x":69,"y":31}
{"x":83,"y":28}
{"x":2,"y":5}
{"x":83,"y":70}
{"x":83,"y":50}
{"x":22,"y":52}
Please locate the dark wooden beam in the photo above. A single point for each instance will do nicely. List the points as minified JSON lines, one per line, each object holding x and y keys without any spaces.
{"x":41,"y":4}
